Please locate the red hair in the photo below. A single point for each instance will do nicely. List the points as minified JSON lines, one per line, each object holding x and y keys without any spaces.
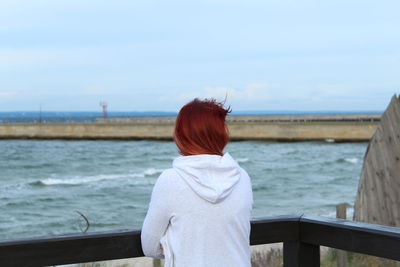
{"x":200,"y":128}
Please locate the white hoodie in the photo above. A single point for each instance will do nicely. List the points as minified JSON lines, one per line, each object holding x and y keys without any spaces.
{"x":200,"y":214}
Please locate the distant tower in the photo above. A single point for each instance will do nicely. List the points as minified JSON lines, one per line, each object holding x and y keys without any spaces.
{"x":40,"y":113}
{"x":104,"y":107}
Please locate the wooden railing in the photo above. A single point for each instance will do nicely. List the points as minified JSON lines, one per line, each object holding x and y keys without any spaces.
{"x":302,"y":237}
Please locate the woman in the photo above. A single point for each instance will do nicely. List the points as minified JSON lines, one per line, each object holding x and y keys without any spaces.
{"x":199,"y":213}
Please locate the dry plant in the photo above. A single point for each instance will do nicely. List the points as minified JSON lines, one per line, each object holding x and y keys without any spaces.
{"x":270,"y":258}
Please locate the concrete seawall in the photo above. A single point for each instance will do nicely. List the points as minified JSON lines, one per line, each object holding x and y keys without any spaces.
{"x":161,"y":128}
{"x":256,"y":118}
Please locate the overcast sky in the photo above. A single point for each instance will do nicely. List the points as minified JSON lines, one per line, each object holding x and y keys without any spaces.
{"x":157,"y":55}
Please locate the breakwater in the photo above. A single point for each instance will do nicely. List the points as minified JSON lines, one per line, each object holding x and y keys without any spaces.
{"x":340,"y":127}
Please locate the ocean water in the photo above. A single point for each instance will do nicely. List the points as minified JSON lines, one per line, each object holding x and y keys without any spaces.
{"x":44,"y":184}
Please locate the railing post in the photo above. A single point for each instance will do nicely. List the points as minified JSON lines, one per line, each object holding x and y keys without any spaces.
{"x":341,"y":255}
{"x":299,"y":254}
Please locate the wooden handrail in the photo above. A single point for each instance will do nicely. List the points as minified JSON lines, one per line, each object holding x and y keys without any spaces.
{"x":301,"y":235}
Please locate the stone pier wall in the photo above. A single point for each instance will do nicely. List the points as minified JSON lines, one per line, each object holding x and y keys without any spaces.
{"x":239,"y":130}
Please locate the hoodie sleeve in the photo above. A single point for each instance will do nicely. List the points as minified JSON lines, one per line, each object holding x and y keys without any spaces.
{"x":157,"y":219}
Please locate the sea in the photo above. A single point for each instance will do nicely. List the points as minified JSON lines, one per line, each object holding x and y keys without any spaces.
{"x":56,"y":187}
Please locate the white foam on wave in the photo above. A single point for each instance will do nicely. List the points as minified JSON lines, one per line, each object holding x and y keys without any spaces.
{"x":241,"y":160}
{"x":152,"y":171}
{"x":84,"y":179}
{"x":97,"y":178}
{"x":351,"y":160}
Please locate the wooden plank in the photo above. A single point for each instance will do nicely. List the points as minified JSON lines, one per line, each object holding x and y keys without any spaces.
{"x":71,"y":249}
{"x":341,"y":255}
{"x":375,"y":240}
{"x":273,"y":230}
{"x":378,"y":198}
{"x":341,"y":211}
{"x":299,"y":254}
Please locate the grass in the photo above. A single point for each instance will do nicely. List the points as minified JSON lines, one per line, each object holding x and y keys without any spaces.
{"x":274,"y":258}
{"x":357,"y":260}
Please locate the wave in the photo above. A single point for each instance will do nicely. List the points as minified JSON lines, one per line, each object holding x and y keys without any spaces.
{"x":152,"y":171}
{"x":349,"y":160}
{"x":36,"y":166}
{"x":77,"y":180}
{"x":242,"y":160}
{"x":263,"y":188}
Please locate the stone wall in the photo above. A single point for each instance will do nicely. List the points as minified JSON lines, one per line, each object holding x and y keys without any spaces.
{"x":239,"y":130}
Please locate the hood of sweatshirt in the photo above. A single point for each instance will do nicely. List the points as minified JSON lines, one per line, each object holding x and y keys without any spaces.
{"x":212,"y":177}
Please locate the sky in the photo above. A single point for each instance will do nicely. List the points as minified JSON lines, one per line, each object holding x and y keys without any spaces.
{"x":303,"y":55}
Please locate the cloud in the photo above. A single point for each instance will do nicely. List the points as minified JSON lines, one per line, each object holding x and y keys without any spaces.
{"x":288,"y":96}
{"x":4,"y":94}
{"x":300,"y":54}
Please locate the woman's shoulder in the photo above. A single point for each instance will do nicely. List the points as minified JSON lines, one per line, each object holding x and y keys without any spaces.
{"x":168,"y":177}
{"x":168,"y":173}
{"x":167,"y":183}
